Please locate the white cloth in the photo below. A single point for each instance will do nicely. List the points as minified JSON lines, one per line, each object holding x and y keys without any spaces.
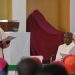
{"x":72,"y":51}
{"x":63,"y":50}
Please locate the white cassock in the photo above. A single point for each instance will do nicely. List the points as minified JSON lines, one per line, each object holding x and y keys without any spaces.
{"x":64,"y":50}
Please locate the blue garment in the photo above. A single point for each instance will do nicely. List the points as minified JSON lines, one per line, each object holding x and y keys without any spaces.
{"x":2,"y":72}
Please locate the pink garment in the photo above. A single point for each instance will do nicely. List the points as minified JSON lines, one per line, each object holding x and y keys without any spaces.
{"x":2,"y":63}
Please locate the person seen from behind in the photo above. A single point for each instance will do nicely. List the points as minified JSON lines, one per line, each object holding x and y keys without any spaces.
{"x":27,"y":66}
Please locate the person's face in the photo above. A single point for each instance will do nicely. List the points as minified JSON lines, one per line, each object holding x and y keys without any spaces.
{"x":67,"y":39}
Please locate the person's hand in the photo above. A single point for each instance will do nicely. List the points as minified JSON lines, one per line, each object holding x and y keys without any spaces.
{"x":6,"y":44}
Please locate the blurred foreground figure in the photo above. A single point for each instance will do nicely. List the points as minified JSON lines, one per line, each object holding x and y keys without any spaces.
{"x":3,"y":67}
{"x":52,"y":69}
{"x":28,"y":66}
{"x":69,"y":62}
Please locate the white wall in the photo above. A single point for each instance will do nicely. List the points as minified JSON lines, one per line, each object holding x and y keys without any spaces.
{"x":19,"y":13}
{"x":72,"y":15}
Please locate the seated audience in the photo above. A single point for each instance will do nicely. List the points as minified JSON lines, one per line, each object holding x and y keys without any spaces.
{"x":52,"y":69}
{"x":28,"y":66}
{"x":2,"y":72}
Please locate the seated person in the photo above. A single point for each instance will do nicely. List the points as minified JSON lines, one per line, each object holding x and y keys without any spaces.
{"x":65,"y":48}
{"x":28,"y":66}
{"x":52,"y":69}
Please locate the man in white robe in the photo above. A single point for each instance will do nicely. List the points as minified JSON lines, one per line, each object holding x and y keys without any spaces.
{"x":65,"y":48}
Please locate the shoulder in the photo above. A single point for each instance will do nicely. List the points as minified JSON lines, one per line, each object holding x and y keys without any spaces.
{"x":72,"y":44}
{"x":61,"y":45}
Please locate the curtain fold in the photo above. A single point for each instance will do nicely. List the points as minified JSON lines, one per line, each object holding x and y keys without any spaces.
{"x":44,"y":39}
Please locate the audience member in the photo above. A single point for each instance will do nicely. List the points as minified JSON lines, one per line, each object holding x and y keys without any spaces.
{"x":28,"y":66}
{"x":52,"y":69}
{"x":3,"y":67}
{"x":2,"y":72}
{"x":69,"y":62}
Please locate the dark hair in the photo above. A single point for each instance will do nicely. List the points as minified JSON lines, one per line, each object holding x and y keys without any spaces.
{"x":69,"y":34}
{"x":68,"y":38}
{"x":27,"y":66}
{"x":57,"y":69}
{"x":52,"y":69}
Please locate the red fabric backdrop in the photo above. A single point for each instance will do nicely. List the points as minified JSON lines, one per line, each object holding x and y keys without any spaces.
{"x":44,"y":39}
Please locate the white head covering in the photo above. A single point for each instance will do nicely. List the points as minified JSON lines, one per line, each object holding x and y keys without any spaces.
{"x":74,"y":33}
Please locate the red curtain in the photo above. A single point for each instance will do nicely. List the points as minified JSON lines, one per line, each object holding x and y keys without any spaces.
{"x":44,"y":39}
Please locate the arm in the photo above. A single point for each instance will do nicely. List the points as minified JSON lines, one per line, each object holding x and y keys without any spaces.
{"x":58,"y":55}
{"x":2,"y":46}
